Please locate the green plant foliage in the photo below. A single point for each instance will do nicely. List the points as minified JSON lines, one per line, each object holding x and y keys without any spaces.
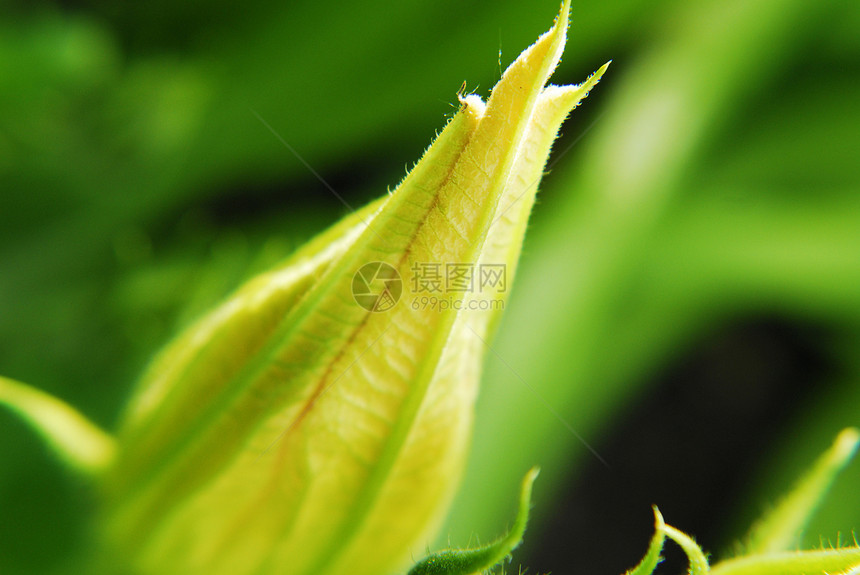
{"x":476,"y":559}
{"x":767,"y":553}
{"x":715,"y":181}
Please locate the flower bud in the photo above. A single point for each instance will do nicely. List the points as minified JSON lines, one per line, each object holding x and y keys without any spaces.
{"x":318,"y":421}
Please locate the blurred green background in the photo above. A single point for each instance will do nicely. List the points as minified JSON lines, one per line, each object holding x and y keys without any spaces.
{"x":689,"y":294}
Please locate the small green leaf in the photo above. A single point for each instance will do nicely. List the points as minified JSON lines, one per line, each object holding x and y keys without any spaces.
{"x":780,"y":528}
{"x":77,"y":441}
{"x":652,"y":556}
{"x":477,"y":559}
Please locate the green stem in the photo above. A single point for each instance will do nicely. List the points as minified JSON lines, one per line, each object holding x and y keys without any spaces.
{"x":695,"y":555}
{"x":652,"y":557}
{"x":73,"y":438}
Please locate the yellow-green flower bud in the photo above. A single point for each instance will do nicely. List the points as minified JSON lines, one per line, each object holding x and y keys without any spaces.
{"x":318,"y":421}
